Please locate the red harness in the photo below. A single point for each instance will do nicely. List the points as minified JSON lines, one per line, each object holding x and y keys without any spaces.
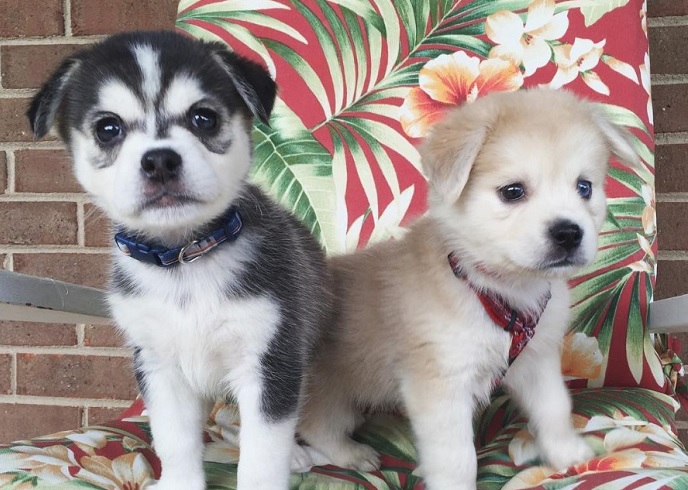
{"x":520,"y":325}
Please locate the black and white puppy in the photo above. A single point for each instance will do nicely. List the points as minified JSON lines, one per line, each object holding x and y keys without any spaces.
{"x":159,"y":129}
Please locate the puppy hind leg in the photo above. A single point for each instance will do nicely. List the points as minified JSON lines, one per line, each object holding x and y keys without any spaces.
{"x":327,"y":422}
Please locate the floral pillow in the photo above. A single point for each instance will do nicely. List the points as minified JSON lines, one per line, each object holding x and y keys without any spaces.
{"x":361,"y":81}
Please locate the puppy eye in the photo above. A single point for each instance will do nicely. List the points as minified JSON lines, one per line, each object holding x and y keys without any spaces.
{"x":108,"y":129}
{"x":512,"y":192}
{"x":204,"y":119}
{"x":585,"y":189}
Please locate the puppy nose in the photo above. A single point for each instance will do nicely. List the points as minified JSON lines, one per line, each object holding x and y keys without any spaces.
{"x":566,"y":234}
{"x":161,"y":165}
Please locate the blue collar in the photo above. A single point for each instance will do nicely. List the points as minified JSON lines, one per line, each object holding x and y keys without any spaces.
{"x":231,"y":225}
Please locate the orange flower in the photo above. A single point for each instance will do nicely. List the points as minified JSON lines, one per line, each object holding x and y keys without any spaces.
{"x":628,"y":459}
{"x":581,"y":357}
{"x":450,"y":80}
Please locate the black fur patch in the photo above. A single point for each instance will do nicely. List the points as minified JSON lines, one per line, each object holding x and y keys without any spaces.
{"x":290,"y":268}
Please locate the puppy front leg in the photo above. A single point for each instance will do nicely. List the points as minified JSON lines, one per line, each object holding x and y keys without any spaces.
{"x":535,"y":383}
{"x":441,"y":414}
{"x":177,"y":416}
{"x":266,"y":442}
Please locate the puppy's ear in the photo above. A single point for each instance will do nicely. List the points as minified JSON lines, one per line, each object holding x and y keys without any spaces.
{"x":252,"y":81}
{"x":46,"y":102}
{"x":618,"y":139}
{"x":449,"y":152}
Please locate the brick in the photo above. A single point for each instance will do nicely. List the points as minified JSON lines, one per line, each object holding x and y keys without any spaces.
{"x":44,"y":171}
{"x":667,"y":48}
{"x":98,"y":17}
{"x":671,"y":168}
{"x":3,"y":172}
{"x":102,"y":336}
{"x":97,"y":227}
{"x":30,"y":66}
{"x":31,"y":18}
{"x":667,"y":8}
{"x":25,"y":421}
{"x":5,"y":373}
{"x":671,"y":106}
{"x":102,"y":377}
{"x":671,"y":279}
{"x":673,"y":221}
{"x":87,"y":269}
{"x":15,"y":125}
{"x":34,"y":223}
{"x":37,"y":334}
{"x":98,"y":415}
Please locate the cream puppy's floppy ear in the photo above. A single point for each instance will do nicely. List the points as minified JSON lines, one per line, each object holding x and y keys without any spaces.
{"x":451,"y":148}
{"x":618,"y":139}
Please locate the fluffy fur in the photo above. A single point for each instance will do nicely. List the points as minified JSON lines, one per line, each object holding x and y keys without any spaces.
{"x":241,"y":321}
{"x":409,"y":331}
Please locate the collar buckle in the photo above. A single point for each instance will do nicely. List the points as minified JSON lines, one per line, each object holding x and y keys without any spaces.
{"x":182,"y":251}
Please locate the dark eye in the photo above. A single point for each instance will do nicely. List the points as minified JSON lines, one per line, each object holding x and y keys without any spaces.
{"x":108,"y":129}
{"x":512,"y":192}
{"x":585,"y":189}
{"x":204,"y":119}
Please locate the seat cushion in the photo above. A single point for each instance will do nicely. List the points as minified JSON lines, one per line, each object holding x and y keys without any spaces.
{"x":631,"y":430}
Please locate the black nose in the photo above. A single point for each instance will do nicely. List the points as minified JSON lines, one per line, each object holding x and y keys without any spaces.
{"x":161,"y":165}
{"x":566,"y":234}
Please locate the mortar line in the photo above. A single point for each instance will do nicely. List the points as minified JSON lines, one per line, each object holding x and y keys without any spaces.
{"x":84,"y":416}
{"x":11,"y":173}
{"x":80,"y":334}
{"x":67,"y":17}
{"x":13,"y":374}
{"x":17,"y":93}
{"x":32,"y":145}
{"x":43,"y":41}
{"x":80,"y":224}
{"x":673,"y":21}
{"x":53,"y":249}
{"x":669,"y":79}
{"x":76,"y":350}
{"x":672,"y":255}
{"x":672,"y":197}
{"x":671,"y":138}
{"x":60,"y":401}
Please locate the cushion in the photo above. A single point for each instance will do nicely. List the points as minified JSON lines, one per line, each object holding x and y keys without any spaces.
{"x":631,"y":430}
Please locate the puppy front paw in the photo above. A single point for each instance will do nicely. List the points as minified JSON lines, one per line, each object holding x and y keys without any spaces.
{"x":562,"y":453}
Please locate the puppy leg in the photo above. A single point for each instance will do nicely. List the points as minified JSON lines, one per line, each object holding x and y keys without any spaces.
{"x":328,"y":419}
{"x":535,"y":383}
{"x":441,"y":413}
{"x":266,"y":443}
{"x":177,"y":416}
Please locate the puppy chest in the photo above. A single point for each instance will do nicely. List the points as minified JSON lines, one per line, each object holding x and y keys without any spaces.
{"x":208,"y":343}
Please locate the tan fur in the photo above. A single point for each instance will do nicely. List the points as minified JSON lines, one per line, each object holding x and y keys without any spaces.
{"x":409,"y":332}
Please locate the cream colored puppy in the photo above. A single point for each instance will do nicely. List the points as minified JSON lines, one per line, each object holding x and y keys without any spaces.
{"x":433,"y":320}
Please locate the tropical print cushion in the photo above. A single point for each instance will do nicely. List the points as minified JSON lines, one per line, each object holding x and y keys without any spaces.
{"x":631,"y":430}
{"x":361,"y":81}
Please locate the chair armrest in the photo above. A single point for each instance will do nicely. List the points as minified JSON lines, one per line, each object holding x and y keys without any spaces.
{"x":39,"y":299}
{"x":669,"y":315}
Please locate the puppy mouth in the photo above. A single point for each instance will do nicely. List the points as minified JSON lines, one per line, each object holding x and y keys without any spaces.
{"x":573,"y":260}
{"x":166,"y":199}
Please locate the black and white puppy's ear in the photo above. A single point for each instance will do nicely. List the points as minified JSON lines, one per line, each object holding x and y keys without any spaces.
{"x":452,"y":146}
{"x":46,"y":103}
{"x":252,"y":81}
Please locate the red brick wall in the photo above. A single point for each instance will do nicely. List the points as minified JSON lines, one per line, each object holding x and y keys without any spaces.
{"x":55,"y":377}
